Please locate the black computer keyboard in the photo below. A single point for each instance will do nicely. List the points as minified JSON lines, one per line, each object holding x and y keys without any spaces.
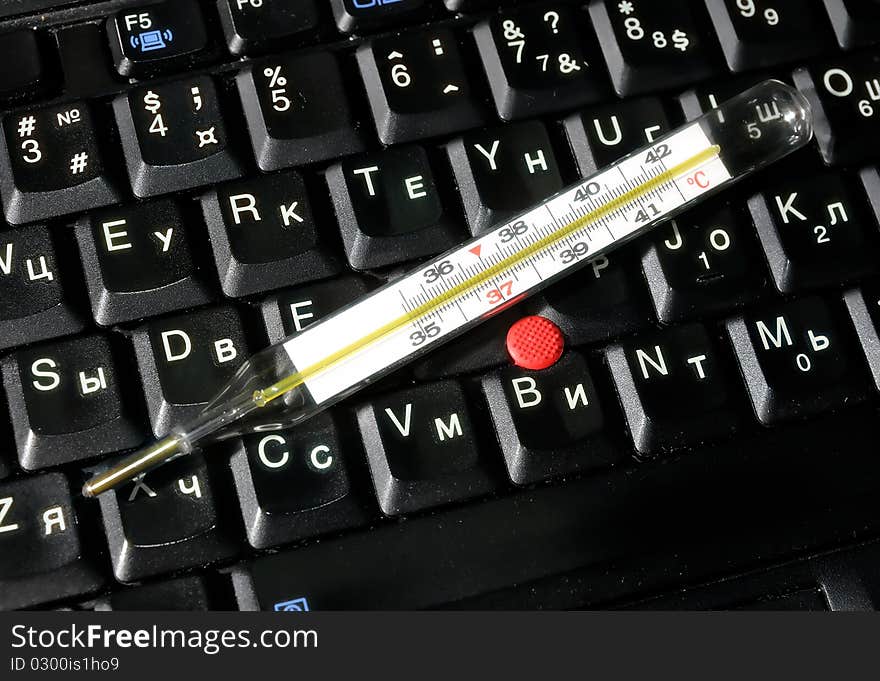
{"x":185,"y":181}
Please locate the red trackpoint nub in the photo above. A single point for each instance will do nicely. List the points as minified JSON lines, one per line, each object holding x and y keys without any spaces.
{"x":535,"y":343}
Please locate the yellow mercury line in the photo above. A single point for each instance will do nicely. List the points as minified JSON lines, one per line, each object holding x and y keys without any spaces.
{"x":285,"y":385}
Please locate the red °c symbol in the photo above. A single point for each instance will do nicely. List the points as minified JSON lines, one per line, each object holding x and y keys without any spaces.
{"x":699,"y":178}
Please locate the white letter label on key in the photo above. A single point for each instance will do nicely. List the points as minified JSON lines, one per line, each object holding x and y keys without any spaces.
{"x":527,"y":393}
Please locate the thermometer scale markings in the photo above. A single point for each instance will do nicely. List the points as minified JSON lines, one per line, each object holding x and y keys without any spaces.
{"x":477,"y":285}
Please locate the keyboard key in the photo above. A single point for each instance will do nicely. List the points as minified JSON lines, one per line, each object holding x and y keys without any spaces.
{"x":651,"y":46}
{"x":42,"y":552}
{"x":298,"y":111}
{"x":52,"y":164}
{"x":82,"y":54}
{"x":422,"y":448}
{"x":759,"y":33}
{"x":814,"y":232}
{"x":184,"y":593}
{"x":698,"y":100}
{"x":71,"y":400}
{"x":138,"y":262}
{"x":25,"y":70}
{"x":602,"y":135}
{"x":389,"y":208}
{"x":253,"y":25}
{"x":675,"y":387}
{"x":174,"y":137}
{"x":548,"y":422}
{"x":156,"y":37}
{"x":467,"y":6}
{"x":864,"y":310}
{"x":265,"y":236}
{"x":502,"y":171}
{"x":362,"y":16}
{"x":418,"y":86}
{"x":289,"y":312}
{"x":606,"y":298}
{"x":36,"y":300}
{"x":798,"y":359}
{"x":856,"y":23}
{"x":535,"y":62}
{"x":293,"y":484}
{"x":704,"y":262}
{"x":170,"y":519}
{"x":185,"y":360}
{"x":843,"y":92}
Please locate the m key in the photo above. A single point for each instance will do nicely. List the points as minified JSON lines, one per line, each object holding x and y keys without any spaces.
{"x":798,"y":359}
{"x":174,"y":137}
{"x":68,"y":401}
{"x":51,"y":164}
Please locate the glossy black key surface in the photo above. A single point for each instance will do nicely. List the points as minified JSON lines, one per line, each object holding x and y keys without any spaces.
{"x":170,"y":519}
{"x":676,"y":389}
{"x":652,"y":46}
{"x":361,"y":16}
{"x":705,"y":261}
{"x":52,"y":164}
{"x":24,"y":67}
{"x":265,"y":236}
{"x":419,"y":85}
{"x":42,"y":553}
{"x":174,"y":137}
{"x":606,"y":298}
{"x":298,"y":111}
{"x":254,"y":25}
{"x":798,"y":359}
{"x":422,"y":448}
{"x":759,"y":33}
{"x":390,"y":209}
{"x":294,"y":484}
{"x":863,"y":305}
{"x":183,"y":593}
{"x":844,"y":92}
{"x":138,"y":262}
{"x":156,"y":37}
{"x":289,"y":312}
{"x":71,"y":400}
{"x":185,"y":360}
{"x":856,"y":22}
{"x":36,"y":301}
{"x":536,"y":63}
{"x":82,"y":55}
{"x":549,"y":422}
{"x":815,"y":231}
{"x":503,"y":171}
{"x":601,"y":135}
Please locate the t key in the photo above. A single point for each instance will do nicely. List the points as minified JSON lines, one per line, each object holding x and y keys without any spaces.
{"x":52,"y":164}
{"x":798,"y":359}
{"x":174,"y":137}
{"x":418,"y":86}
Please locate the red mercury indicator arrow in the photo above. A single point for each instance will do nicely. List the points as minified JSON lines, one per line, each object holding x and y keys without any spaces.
{"x":476,"y":250}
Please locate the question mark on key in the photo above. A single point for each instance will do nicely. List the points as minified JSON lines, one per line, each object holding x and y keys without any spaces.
{"x":553,"y":17}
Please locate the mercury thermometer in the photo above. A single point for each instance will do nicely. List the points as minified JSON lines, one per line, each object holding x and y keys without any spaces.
{"x":441,"y":299}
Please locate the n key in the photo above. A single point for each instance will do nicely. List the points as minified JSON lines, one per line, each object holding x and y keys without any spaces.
{"x":174,"y":137}
{"x":798,"y":359}
{"x":68,"y":401}
{"x":265,"y":236}
{"x":52,"y":164}
{"x":138,"y":262}
{"x":184,"y":361}
{"x":42,"y":551}
{"x":36,"y":300}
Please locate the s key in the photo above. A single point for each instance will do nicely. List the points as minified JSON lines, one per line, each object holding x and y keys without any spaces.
{"x":174,"y":137}
{"x":51,"y":164}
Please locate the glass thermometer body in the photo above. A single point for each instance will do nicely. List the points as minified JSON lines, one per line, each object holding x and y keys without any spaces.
{"x":443,"y":298}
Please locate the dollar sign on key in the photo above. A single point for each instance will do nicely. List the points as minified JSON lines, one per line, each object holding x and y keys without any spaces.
{"x":680,"y":40}
{"x":151,"y":102}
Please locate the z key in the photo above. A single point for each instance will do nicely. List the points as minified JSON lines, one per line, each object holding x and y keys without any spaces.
{"x":174,"y":137}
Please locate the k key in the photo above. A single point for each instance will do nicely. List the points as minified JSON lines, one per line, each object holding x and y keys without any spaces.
{"x":52,"y":164}
{"x":419,"y":86}
{"x":138,"y":262}
{"x":174,"y":137}
{"x":535,"y":61}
